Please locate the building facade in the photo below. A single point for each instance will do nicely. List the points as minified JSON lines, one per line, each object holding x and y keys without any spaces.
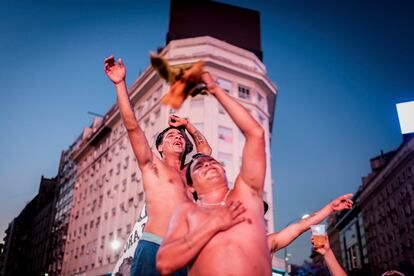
{"x":27,"y":241}
{"x":348,"y":241}
{"x":377,"y":235}
{"x":387,"y":205}
{"x":63,"y":205}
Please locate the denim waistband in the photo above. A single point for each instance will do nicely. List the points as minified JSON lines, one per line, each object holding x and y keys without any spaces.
{"x":151,"y":237}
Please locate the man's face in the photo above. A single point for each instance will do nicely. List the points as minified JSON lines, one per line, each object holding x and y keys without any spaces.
{"x":205,"y":169}
{"x":173,"y":142}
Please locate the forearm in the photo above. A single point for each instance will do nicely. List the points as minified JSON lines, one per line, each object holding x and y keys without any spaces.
{"x":315,"y":218}
{"x":288,"y":234}
{"x":136,"y":136}
{"x":178,"y":253}
{"x":127,"y":113}
{"x":200,"y":141}
{"x":332,"y":263}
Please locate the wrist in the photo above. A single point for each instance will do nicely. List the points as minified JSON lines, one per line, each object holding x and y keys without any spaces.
{"x":120,"y":83}
{"x":328,"y":253}
{"x":212,"y":87}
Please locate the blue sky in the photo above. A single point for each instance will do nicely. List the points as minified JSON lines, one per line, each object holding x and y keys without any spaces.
{"x":340,"y":66}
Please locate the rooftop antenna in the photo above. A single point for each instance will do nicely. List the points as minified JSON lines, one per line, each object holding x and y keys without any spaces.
{"x":95,"y":114}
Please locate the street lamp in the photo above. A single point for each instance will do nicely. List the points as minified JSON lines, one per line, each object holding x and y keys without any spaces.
{"x":115,"y":244}
{"x":285,"y":250}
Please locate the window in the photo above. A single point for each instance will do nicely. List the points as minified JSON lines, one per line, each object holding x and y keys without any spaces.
{"x":158,"y":94}
{"x":225,"y":159}
{"x":139,"y":111}
{"x":221,"y":109}
{"x":126,"y":162}
{"x":133,"y":177}
{"x":102,"y":242}
{"x":149,"y":102}
{"x":244,"y":92}
{"x":124,"y":183}
{"x":224,"y":84}
{"x":157,"y":114}
{"x":141,"y":196}
{"x":122,"y":128}
{"x":225,"y":134}
{"x":261,"y":120}
{"x":259,"y":98}
{"x":122,"y":207}
{"x":197,"y":103}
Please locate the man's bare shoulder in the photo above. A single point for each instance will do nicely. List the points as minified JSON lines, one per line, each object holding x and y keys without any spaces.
{"x":185,"y":209}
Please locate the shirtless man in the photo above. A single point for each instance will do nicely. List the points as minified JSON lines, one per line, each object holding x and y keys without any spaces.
{"x":224,"y":232}
{"x":162,"y":179}
{"x":288,"y":234}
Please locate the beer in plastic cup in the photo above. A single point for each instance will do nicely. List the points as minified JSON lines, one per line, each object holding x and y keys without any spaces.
{"x":319,"y":233}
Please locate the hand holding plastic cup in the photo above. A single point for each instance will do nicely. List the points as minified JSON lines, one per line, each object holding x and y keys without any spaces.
{"x":319,"y":233}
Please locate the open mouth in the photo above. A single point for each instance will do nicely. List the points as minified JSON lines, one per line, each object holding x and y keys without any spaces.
{"x":210,"y":170}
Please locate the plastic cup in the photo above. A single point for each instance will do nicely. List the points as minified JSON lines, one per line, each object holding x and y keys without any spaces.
{"x":319,"y":234}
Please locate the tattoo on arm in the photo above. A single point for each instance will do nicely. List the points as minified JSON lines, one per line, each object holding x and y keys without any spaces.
{"x":199,"y":138}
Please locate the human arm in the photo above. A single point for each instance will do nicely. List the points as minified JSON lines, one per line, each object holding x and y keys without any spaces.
{"x":116,"y":73}
{"x":331,"y":262}
{"x":181,"y":246}
{"x":253,"y":167}
{"x":200,"y":141}
{"x":279,"y":240}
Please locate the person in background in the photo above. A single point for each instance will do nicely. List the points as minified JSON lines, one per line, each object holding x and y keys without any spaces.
{"x":331,"y":262}
{"x":287,"y":235}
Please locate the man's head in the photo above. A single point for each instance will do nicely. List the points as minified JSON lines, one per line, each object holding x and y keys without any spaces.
{"x":204,"y":169}
{"x":174,"y":140}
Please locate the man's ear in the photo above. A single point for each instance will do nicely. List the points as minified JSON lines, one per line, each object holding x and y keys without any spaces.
{"x":159,"y":148}
{"x":191,"y":192}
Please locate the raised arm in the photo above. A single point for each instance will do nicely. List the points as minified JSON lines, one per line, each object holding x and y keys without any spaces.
{"x":116,"y":73}
{"x":181,"y":246}
{"x":279,"y":240}
{"x":331,"y":262}
{"x":253,"y":166}
{"x":200,"y":141}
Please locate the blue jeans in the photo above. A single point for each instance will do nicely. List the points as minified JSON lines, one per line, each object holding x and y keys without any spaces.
{"x":145,"y":257}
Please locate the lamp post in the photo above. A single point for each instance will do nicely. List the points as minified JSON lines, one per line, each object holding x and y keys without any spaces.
{"x":115,"y":244}
{"x":285,"y":250}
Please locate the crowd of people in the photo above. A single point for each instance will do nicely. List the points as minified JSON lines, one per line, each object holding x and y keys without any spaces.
{"x":196,"y":224}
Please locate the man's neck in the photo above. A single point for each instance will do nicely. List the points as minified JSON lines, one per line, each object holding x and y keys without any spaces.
{"x":214,"y":195}
{"x":173,"y":161}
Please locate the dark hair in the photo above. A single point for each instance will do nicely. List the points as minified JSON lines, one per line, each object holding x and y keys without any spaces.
{"x":188,"y":178}
{"x":188,"y":145}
